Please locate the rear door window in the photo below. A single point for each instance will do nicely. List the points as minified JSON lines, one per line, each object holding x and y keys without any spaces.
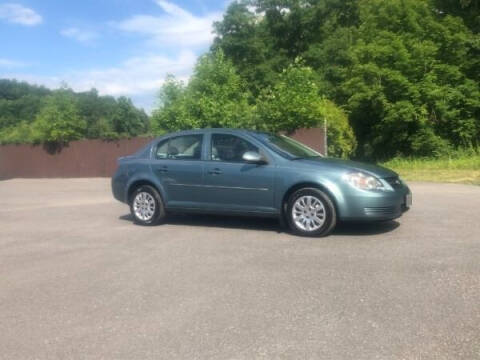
{"x":185,"y":147}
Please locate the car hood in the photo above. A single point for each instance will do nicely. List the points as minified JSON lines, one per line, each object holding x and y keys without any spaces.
{"x":376,"y":170}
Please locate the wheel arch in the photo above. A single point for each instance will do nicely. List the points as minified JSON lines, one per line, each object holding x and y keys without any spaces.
{"x":303,"y":185}
{"x":139,"y":182}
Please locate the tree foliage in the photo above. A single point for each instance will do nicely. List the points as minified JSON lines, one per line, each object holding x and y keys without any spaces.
{"x":216,"y":96}
{"x":32,"y":114}
{"x":403,"y":74}
{"x":58,"y":121}
{"x":406,"y":71}
{"x":126,"y":120}
{"x":294,"y":102}
{"x":406,"y":89}
{"x":340,"y":137}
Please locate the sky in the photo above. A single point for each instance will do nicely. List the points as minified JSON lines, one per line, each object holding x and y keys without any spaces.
{"x":119,"y":47}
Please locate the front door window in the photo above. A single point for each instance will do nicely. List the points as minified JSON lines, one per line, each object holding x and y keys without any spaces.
{"x":230,"y":148}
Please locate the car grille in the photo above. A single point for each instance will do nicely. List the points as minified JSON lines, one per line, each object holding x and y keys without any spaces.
{"x":394,"y":182}
{"x":381,"y":211}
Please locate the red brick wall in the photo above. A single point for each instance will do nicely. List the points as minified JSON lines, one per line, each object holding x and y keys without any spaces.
{"x":90,"y":158}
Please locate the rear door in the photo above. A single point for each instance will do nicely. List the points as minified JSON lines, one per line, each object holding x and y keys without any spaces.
{"x":178,"y":164}
{"x":233,"y":184}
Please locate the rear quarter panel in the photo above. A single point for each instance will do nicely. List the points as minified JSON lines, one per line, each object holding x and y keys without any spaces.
{"x":140,"y":170}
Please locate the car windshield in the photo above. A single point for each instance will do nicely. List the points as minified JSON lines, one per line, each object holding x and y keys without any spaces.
{"x":286,"y":147}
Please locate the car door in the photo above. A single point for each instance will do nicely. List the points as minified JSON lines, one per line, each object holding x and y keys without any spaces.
{"x":233,"y":184}
{"x":179,"y":166}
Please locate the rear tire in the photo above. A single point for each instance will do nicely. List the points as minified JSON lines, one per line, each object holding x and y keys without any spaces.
{"x":146,"y":206}
{"x":311,"y":212}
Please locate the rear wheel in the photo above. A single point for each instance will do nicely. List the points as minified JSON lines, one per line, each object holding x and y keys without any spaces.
{"x":146,"y":206}
{"x":310,"y":212}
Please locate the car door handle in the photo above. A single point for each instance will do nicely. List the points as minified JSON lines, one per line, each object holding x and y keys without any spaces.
{"x":163,"y":169}
{"x":215,"y":171}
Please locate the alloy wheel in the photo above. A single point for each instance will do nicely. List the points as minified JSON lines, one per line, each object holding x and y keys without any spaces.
{"x":144,"y":206}
{"x":308,"y":213}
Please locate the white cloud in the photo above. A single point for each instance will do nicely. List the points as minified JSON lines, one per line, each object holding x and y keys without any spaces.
{"x":175,"y":27}
{"x":9,"y":64}
{"x":138,"y":77}
{"x":177,"y":32}
{"x":83,"y":36}
{"x":19,"y":14}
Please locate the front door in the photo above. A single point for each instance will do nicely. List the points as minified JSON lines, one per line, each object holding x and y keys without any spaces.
{"x":233,"y":184}
{"x":179,"y":167}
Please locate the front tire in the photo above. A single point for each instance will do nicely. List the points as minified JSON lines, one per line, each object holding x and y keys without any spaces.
{"x":146,"y":206}
{"x":311,"y":212}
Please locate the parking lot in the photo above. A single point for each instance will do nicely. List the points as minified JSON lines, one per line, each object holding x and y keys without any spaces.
{"x":79,"y":281}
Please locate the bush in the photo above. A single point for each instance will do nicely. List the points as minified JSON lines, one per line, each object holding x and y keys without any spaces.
{"x":340,"y":136}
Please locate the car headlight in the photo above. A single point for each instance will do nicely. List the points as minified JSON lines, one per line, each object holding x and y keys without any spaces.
{"x":363,"y":181}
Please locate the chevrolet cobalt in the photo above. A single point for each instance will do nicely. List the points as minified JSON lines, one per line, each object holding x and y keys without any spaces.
{"x":230,"y":171}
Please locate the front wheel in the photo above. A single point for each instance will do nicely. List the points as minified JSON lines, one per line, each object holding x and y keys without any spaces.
{"x":146,"y":206}
{"x":310,"y":212}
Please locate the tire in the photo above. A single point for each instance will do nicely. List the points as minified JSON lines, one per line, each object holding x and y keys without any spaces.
{"x":146,"y":206}
{"x":311,"y":212}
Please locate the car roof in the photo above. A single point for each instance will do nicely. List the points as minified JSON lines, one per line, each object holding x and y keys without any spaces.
{"x":207,"y":130}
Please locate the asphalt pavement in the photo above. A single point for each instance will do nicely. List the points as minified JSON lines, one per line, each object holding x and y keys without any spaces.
{"x":78,"y":280}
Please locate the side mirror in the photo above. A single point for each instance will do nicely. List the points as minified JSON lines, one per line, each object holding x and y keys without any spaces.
{"x":253,"y":157}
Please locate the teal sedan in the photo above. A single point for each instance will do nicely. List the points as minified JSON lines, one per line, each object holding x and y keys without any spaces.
{"x":242,"y":172}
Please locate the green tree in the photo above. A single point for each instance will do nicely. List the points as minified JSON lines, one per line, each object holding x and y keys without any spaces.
{"x":98,"y":112}
{"x":294,"y":102}
{"x":103,"y":116}
{"x":216,"y":96}
{"x":20,"y":134}
{"x":340,"y":137}
{"x":243,"y":37}
{"x":406,"y":91}
{"x":406,"y":71}
{"x":127,"y":120}
{"x":468,"y":10}
{"x":59,"y":121}
{"x":173,"y":113}
{"x":19,"y":102}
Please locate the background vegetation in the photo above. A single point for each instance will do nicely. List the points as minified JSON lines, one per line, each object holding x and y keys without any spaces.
{"x":392,"y":78}
{"x":460,"y":167}
{"x":405,"y":71}
{"x":32,"y":114}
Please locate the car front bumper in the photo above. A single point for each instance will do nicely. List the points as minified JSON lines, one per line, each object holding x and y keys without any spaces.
{"x":377,"y":206}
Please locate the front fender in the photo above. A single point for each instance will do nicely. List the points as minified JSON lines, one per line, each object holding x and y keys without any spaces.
{"x":296,"y":180}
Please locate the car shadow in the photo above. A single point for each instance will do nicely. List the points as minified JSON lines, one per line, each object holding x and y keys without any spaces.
{"x":365,"y":228}
{"x":271,"y":224}
{"x":220,"y":221}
